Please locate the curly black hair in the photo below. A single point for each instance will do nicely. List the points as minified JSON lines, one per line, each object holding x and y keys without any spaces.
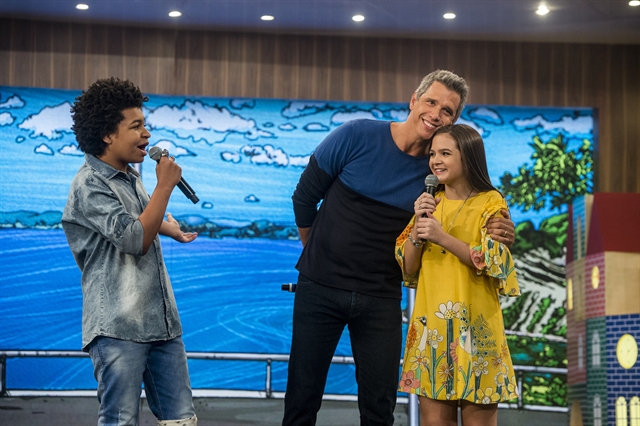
{"x":98,"y":111}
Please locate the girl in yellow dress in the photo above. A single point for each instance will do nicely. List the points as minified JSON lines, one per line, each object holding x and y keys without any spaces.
{"x":456,"y":351}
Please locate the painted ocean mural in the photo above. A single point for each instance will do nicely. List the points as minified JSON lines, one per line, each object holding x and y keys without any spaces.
{"x":243,"y":157}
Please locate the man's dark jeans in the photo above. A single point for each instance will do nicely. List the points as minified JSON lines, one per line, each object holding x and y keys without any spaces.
{"x":320,"y":314}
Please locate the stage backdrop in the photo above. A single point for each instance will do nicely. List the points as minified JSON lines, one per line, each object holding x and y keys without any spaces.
{"x":243,"y":157}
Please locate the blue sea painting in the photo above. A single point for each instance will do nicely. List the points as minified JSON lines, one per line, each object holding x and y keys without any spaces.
{"x":243,"y":158}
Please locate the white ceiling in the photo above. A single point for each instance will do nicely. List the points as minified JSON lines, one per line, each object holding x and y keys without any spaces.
{"x":576,"y":21}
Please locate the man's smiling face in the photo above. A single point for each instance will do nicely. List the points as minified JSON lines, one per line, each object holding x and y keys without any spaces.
{"x":436,"y":108}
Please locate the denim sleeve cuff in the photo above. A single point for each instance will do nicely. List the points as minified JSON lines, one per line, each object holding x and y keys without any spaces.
{"x":133,"y":238}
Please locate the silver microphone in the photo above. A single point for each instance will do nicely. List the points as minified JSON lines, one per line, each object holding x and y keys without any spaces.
{"x":156,"y":153}
{"x":430,"y":183}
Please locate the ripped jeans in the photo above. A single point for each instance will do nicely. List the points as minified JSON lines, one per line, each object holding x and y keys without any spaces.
{"x":121,"y":366}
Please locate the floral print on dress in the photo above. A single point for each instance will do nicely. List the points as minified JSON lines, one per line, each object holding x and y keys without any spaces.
{"x":484,"y":378}
{"x":456,"y":347}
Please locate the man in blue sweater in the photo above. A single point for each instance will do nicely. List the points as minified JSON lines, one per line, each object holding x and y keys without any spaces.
{"x":367,"y":174}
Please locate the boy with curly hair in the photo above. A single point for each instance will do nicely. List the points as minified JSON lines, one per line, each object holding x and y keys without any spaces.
{"x":130,"y":322}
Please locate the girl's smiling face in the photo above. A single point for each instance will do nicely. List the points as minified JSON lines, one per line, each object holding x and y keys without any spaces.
{"x":446,"y":160}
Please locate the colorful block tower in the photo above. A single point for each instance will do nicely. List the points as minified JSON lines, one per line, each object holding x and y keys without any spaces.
{"x":603,"y":310}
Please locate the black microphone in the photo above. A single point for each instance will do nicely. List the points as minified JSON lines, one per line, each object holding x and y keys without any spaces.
{"x":290,"y":287}
{"x":156,"y":153}
{"x":430,"y":183}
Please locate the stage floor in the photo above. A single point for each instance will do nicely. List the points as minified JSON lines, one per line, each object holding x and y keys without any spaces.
{"x":81,"y":411}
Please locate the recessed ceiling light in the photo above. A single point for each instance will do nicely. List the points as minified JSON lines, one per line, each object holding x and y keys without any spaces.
{"x":634,"y":3}
{"x":267,"y":18}
{"x":358,"y":18}
{"x":542,"y":10}
{"x":175,"y":14}
{"x":82,"y":6}
{"x":449,"y":15}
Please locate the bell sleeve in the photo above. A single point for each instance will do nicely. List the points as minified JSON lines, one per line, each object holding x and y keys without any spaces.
{"x":492,"y":258}
{"x":410,"y":281}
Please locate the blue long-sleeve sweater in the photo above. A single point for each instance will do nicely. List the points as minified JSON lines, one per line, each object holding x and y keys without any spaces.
{"x":367,"y":186}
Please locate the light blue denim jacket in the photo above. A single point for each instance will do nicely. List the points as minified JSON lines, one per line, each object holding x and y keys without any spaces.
{"x":126,"y":295}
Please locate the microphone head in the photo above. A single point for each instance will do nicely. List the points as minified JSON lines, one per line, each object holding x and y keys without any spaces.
{"x":155,"y":152}
{"x":431,"y":180}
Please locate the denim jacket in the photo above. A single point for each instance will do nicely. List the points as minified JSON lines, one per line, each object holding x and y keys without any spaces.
{"x":126,"y":295}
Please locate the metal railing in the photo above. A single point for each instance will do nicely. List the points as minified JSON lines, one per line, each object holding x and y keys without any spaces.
{"x":268,"y":392}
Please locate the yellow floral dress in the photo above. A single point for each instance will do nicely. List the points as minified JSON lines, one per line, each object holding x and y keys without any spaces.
{"x":456,"y":346}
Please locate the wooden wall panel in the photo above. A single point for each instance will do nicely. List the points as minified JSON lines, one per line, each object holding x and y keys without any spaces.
{"x":61,"y":61}
{"x":509,"y":74}
{"x":356,"y":79}
{"x":543,"y":64}
{"x":632,"y":115}
{"x":21,"y":66}
{"x":618,"y":104}
{"x":220,"y":64}
{"x":557,"y":75}
{"x":388,"y":68}
{"x":493,"y":73}
{"x":575,"y":74}
{"x":79,"y":63}
{"x":215,"y":70}
{"x":194,"y":63}
{"x":305,"y":67}
{"x":115,"y":53}
{"x":133,"y":48}
{"x":370,"y":61}
{"x":337,"y":68}
{"x":286,"y":64}
{"x":525,"y":58}
{"x":5,"y":51}
{"x":103,"y":54}
{"x":626,"y":110}
{"x":481,"y":77}
{"x":42,"y":54}
{"x":322,"y":81}
{"x":182,"y":63}
{"x":407,"y":73}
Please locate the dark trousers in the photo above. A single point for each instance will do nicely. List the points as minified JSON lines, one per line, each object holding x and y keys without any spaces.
{"x":320,"y":314}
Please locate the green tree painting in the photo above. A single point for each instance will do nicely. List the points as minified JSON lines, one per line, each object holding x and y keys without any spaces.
{"x":554,"y":178}
{"x":557,"y":175}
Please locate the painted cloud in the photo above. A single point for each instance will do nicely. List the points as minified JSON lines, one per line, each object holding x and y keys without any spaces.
{"x":200,"y":121}
{"x":299,"y":160}
{"x":242,"y":103}
{"x":231,"y":157}
{"x":14,"y":101}
{"x":484,"y":133}
{"x":50,"y":122}
{"x":175,"y":150}
{"x":71,"y":149}
{"x":578,"y":127}
{"x":316,"y":127}
{"x":300,"y":109}
{"x":287,"y":127}
{"x":266,"y":154}
{"x":342,"y":117}
{"x":6,"y":119}
{"x":486,"y":114}
{"x":43,"y":149}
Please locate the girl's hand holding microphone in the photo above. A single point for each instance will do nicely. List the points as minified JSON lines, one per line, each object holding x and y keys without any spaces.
{"x":426,"y":226}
